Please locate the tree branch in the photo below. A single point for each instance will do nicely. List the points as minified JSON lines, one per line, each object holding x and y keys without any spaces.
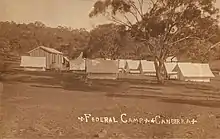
{"x":154,"y":4}
{"x":141,"y":3}
{"x":188,"y":37}
{"x":211,"y":47}
{"x":129,"y":22}
{"x":135,"y":8}
{"x":135,"y":16}
{"x":114,"y":19}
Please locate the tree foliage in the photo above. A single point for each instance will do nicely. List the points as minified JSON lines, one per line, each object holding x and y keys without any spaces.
{"x":162,"y":25}
{"x":20,"y":38}
{"x":111,"y":41}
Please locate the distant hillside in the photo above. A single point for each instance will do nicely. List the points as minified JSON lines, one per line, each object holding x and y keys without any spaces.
{"x":20,"y":38}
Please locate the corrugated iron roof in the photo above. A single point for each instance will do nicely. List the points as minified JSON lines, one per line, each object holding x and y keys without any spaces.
{"x":50,"y":50}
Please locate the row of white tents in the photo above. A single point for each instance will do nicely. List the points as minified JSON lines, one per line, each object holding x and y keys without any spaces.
{"x":185,"y":71}
{"x":110,"y":69}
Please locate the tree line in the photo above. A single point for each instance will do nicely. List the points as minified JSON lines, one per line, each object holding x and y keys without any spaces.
{"x":105,"y":41}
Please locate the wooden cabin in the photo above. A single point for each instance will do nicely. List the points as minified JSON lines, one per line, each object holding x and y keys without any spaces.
{"x":54,"y":59}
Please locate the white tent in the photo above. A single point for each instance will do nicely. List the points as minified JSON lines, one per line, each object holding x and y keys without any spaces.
{"x":102,"y":69}
{"x":121,"y":64}
{"x":148,"y":68}
{"x":133,"y":66}
{"x":78,"y":64}
{"x":33,"y":63}
{"x":169,"y":69}
{"x":196,"y":72}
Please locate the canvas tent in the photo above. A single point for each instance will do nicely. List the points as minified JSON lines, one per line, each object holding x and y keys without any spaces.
{"x":169,"y":69}
{"x":121,"y":65}
{"x":102,"y":69}
{"x":33,"y":63}
{"x":78,"y":64}
{"x":196,"y":72}
{"x":133,"y":66}
{"x":148,"y":68}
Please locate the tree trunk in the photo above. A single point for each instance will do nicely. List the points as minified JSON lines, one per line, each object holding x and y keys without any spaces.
{"x":159,"y":71}
{"x":165,"y":72}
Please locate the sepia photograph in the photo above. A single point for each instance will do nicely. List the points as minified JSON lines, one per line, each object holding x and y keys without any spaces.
{"x":109,"y":69}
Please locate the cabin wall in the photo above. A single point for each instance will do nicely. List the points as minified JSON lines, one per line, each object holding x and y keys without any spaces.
{"x":42,"y":53}
{"x":51,"y":59}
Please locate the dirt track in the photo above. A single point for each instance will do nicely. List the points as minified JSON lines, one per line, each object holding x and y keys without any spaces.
{"x":47,"y":105}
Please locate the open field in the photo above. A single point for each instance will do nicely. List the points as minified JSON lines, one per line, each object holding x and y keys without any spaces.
{"x":47,"y":105}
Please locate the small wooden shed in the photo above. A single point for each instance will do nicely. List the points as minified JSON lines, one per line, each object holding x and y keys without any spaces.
{"x":54,"y":58}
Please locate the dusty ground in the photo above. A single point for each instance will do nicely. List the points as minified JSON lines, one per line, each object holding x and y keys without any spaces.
{"x":47,"y":105}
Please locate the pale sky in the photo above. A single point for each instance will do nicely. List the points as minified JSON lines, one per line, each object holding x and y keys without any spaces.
{"x":70,"y":13}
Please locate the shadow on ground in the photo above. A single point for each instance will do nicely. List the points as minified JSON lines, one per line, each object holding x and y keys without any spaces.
{"x":75,"y":82}
{"x":208,"y":103}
